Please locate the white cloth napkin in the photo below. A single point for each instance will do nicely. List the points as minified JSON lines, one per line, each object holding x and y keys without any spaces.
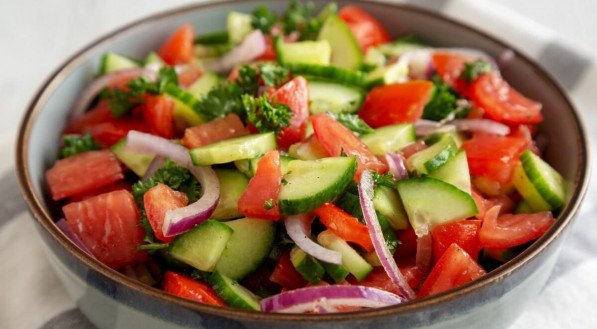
{"x":38,"y":35}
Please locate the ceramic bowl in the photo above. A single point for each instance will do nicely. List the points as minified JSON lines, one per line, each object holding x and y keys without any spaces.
{"x":112,"y":300}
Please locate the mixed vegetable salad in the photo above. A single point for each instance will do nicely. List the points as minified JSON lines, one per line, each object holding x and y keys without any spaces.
{"x":303,"y":162}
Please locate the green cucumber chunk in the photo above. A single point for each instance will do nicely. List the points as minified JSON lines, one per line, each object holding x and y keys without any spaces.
{"x":136,"y":162}
{"x":332,"y":73}
{"x":433,"y":157}
{"x":249,"y":166}
{"x":455,"y":172}
{"x":325,"y":96}
{"x":232,"y":186}
{"x":247,"y":248}
{"x":233,"y":293}
{"x":111,"y":62}
{"x":184,"y":104}
{"x":374,"y":58}
{"x":201,"y":246}
{"x":429,"y":202}
{"x":204,"y":84}
{"x":238,"y":26}
{"x":354,"y":263}
{"x":311,"y":183}
{"x":385,"y":75}
{"x":233,"y":149}
{"x":303,"y":52}
{"x":387,"y":203}
{"x":523,"y":207}
{"x":153,"y":59}
{"x":338,"y":273}
{"x":548,"y":183}
{"x":390,"y":138}
{"x":210,"y":52}
{"x":308,"y":267}
{"x":346,"y":51}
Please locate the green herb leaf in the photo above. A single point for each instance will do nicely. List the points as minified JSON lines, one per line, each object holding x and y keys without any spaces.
{"x":300,"y":17}
{"x":442,"y":103}
{"x":248,"y":80}
{"x":265,"y":116}
{"x":263,"y":19}
{"x":384,"y":180}
{"x":221,"y":100}
{"x":473,"y":70}
{"x":74,"y":144}
{"x":273,"y":75}
{"x":352,"y":122}
{"x":268,"y":204}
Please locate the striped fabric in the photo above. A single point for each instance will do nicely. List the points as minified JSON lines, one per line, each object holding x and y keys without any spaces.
{"x":32,"y":296}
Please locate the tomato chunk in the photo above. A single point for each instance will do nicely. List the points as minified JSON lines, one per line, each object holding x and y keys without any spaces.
{"x":395,"y":103}
{"x":366,"y":29}
{"x":110,"y":132}
{"x":294,"y":94}
{"x":503,"y":103}
{"x":449,"y":67}
{"x":108,"y":225}
{"x":100,"y":113}
{"x":494,"y":157}
{"x":510,"y":230}
{"x":157,"y":201}
{"x":189,"y":288}
{"x":178,"y":49}
{"x":119,"y":185}
{"x":83,"y":173}
{"x":453,"y":269}
{"x":286,"y":275}
{"x":260,"y":198}
{"x":378,"y":278}
{"x":337,"y":139}
{"x":213,"y":131}
{"x":464,"y":232}
{"x":344,"y":225}
{"x":158,"y":114}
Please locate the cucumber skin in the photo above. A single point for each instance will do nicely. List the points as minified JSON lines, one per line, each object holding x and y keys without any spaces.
{"x":338,"y":273}
{"x":294,"y":206}
{"x":346,"y":52}
{"x":308,"y":267}
{"x":232,"y":185}
{"x":224,"y":288}
{"x":213,"y":151}
{"x":531,"y":164}
{"x":332,"y":73}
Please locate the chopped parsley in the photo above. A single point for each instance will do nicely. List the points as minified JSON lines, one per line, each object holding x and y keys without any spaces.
{"x":300,"y":17}
{"x":248,"y":80}
{"x":268,"y":204}
{"x":273,"y":75}
{"x":263,"y":19}
{"x":352,"y":122}
{"x":74,"y":144}
{"x":220,"y":100}
{"x":386,"y":180}
{"x":443,"y":102}
{"x":473,"y":70}
{"x":265,"y":116}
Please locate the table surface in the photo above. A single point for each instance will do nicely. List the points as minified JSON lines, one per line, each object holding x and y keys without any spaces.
{"x":38,"y":35}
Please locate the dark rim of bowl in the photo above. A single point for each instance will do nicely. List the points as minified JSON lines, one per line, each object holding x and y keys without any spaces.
{"x":45,"y":220}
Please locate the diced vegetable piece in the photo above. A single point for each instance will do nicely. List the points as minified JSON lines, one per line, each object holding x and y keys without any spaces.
{"x":306,"y":265}
{"x":158,"y":114}
{"x":345,"y":51}
{"x":304,"y":52}
{"x":544,"y":180}
{"x":387,"y":203}
{"x":233,"y":293}
{"x":202,"y":246}
{"x":390,"y":138}
{"x":204,"y":84}
{"x":239,"y":25}
{"x":465,"y":233}
{"x":332,"y":73}
{"x":344,"y":225}
{"x":510,"y":230}
{"x":260,"y":198}
{"x":136,"y":162}
{"x":213,"y":131}
{"x":434,"y":157}
{"x":294,"y":94}
{"x":353,"y":262}
{"x":114,"y":62}
{"x":186,"y":287}
{"x":333,"y":97}
{"x":455,"y":171}
{"x":157,"y":201}
{"x":232,"y":186}
{"x":286,"y":275}
{"x":178,"y":49}
{"x":367,"y":30}
{"x":230,"y":150}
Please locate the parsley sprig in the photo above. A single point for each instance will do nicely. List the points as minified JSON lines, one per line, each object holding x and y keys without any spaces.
{"x":264,"y":115}
{"x":74,"y":144}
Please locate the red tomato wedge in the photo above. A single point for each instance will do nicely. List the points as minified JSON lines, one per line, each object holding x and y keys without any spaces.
{"x":337,"y":139}
{"x":464,"y":232}
{"x":286,"y":275}
{"x":260,"y":198}
{"x":110,"y":132}
{"x":158,"y":115}
{"x":510,"y":230}
{"x":213,"y":131}
{"x":453,"y":269}
{"x":503,"y":103}
{"x":119,"y":185}
{"x":378,"y":278}
{"x":449,"y":67}
{"x":186,"y":287}
{"x":294,"y":94}
{"x":178,"y":49}
{"x":270,"y":52}
{"x":83,"y":173}
{"x":344,"y":225}
{"x":100,"y":113}
{"x":494,"y":157}
{"x":395,"y":103}
{"x":407,"y":248}
{"x":188,"y":74}
{"x":157,"y":201}
{"x":366,"y":29}
{"x":108,"y":225}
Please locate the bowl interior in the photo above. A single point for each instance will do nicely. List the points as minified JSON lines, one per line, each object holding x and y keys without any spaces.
{"x":49,"y":111}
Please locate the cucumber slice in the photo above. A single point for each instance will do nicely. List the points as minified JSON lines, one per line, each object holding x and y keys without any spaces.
{"x":208,"y":52}
{"x":309,"y":184}
{"x":387,"y":203}
{"x":350,"y":203}
{"x":114,"y":62}
{"x":455,"y":172}
{"x":232,"y":186}
{"x":385,"y":75}
{"x":308,"y":267}
{"x":457,"y":136}
{"x":338,"y":273}
{"x":201,"y":246}
{"x":332,"y":73}
{"x":238,"y":26}
{"x":307,"y":150}
{"x":351,"y":259}
{"x":249,"y":166}
{"x":136,"y":162}
{"x":233,"y":293}
{"x":548,"y":183}
{"x":184,"y":104}
{"x":528,"y":191}
{"x":523,"y":208}
{"x":390,"y":138}
{"x":333,"y":97}
{"x":304,"y":52}
{"x":233,"y":149}
{"x":374,"y":58}
{"x":204,"y":84}
{"x":346,"y":51}
{"x":433,"y":157}
{"x":153,"y":59}
{"x":429,"y":202}
{"x":247,"y":248}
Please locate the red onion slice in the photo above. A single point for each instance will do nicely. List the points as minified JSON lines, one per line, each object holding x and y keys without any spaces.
{"x":252,"y":46}
{"x":481,"y":125}
{"x":397,"y":165}
{"x":386,"y":259}
{"x":180,"y":220}
{"x":427,"y":127}
{"x":155,"y":164}
{"x":89,"y":93}
{"x":327,"y":298}
{"x":298,"y":228}
{"x":63,"y":226}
